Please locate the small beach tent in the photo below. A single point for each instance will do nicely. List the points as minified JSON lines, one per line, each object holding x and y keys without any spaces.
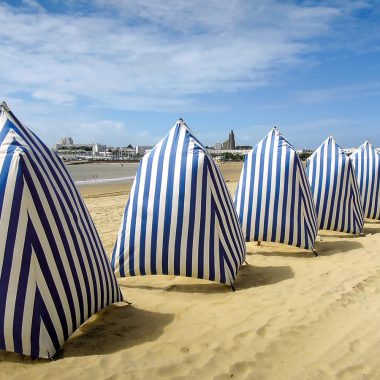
{"x":273,"y":198}
{"x":367,"y":168}
{"x":179,"y":219}
{"x":334,"y":188}
{"x":54,"y":273}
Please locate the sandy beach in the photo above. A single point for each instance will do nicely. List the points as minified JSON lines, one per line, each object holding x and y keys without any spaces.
{"x":293,"y":316}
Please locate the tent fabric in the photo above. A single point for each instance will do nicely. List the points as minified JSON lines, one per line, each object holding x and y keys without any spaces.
{"x":335,"y":190}
{"x":179,"y":219}
{"x":367,"y":168}
{"x":273,"y":198}
{"x":54,"y":273}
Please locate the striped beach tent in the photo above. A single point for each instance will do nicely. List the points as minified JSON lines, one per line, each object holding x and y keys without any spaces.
{"x":273,"y":198}
{"x":367,"y":168}
{"x":180,"y":218}
{"x":335,"y":190}
{"x":54,"y":273}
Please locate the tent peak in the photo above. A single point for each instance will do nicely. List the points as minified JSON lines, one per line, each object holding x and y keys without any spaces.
{"x":4,"y":106}
{"x":180,"y":122}
{"x":275,"y":130}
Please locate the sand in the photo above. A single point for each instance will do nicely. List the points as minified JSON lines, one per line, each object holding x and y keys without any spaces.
{"x":292,"y":316}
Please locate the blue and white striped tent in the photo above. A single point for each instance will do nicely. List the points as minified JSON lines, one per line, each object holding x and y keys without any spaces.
{"x":367,"y":168}
{"x":273,"y":198}
{"x":180,"y":218}
{"x":54,"y":273}
{"x":335,"y":190}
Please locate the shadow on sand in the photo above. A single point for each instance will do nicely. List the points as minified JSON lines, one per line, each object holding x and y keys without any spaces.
{"x":371,"y":230}
{"x":116,"y":328}
{"x":251,"y":276}
{"x":371,"y":221}
{"x":340,"y":235}
{"x":323,"y":248}
{"x":283,"y":253}
{"x":328,"y":248}
{"x":248,"y":277}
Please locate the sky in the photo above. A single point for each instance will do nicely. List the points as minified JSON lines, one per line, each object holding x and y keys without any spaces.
{"x":122,"y":72}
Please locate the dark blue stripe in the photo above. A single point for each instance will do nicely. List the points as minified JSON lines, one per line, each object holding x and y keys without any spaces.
{"x":371,"y":184}
{"x":292,"y":201}
{"x":202,"y":221}
{"x":132,"y":231}
{"x":193,"y":201}
{"x":169,"y":202}
{"x":307,"y":198}
{"x":232,"y":245}
{"x":243,"y":186}
{"x":211,"y":244}
{"x":36,"y":326}
{"x":376,"y":197}
{"x":320,"y":182}
{"x":260,"y":190}
{"x":4,"y":174}
{"x":25,"y":269}
{"x":251,"y":189}
{"x":269,"y":187}
{"x":144,"y":214}
{"x":156,"y":206}
{"x":45,"y":318}
{"x":327,"y":187}
{"x":228,"y":211}
{"x":9,"y":250}
{"x":181,"y":204}
{"x":122,"y":243}
{"x":277,"y":193}
{"x":346,"y":191}
{"x":285,"y":197}
{"x":4,"y":131}
{"x":222,"y":259}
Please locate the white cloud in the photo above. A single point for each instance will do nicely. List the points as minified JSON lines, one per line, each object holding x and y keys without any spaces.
{"x":60,"y":68}
{"x":152,"y":54}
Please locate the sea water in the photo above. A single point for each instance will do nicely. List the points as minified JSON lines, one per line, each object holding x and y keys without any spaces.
{"x":96,"y":173}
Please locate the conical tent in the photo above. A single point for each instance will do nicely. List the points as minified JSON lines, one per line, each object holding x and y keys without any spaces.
{"x":367,"y":168}
{"x":335,"y":190}
{"x":54,"y":273}
{"x":273,"y":198}
{"x":179,"y":218}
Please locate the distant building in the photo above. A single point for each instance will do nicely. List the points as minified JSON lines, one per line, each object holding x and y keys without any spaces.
{"x":99,"y":150}
{"x":66,"y":141}
{"x":142,"y":150}
{"x":230,"y":143}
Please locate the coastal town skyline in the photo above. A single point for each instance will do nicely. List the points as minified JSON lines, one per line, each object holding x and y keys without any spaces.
{"x":69,"y":150}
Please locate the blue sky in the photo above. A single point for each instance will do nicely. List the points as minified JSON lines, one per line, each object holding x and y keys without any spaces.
{"x":122,"y":72}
